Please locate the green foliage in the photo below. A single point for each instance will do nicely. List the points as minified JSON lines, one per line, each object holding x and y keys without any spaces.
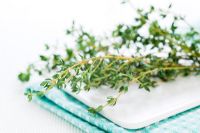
{"x":44,"y":58}
{"x":96,"y":110}
{"x":112,"y":101}
{"x":30,"y":93}
{"x":91,"y":63}
{"x":24,"y":77}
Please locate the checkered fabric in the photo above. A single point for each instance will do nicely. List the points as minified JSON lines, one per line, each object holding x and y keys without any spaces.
{"x":75,"y":112}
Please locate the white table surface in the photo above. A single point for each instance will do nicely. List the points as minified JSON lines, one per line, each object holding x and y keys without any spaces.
{"x":25,"y":25}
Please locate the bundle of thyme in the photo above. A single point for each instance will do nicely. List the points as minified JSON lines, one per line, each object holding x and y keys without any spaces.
{"x":158,"y":50}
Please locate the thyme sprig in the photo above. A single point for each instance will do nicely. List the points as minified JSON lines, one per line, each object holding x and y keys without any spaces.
{"x":100,"y":62}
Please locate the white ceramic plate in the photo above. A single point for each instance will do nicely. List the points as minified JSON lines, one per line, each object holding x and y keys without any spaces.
{"x":139,"y":108}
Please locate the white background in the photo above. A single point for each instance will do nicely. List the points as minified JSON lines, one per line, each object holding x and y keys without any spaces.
{"x":25,"y":25}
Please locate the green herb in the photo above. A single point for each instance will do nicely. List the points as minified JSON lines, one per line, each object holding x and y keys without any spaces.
{"x":24,"y":77}
{"x":43,"y":58}
{"x":91,"y":65}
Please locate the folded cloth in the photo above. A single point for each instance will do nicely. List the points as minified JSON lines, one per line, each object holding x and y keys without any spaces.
{"x":75,"y":112}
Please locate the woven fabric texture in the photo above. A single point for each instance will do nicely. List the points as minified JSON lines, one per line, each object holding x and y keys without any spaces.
{"x":75,"y":112}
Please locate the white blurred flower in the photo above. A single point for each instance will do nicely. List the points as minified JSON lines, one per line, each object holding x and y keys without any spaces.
{"x":72,"y":72}
{"x":90,"y":62}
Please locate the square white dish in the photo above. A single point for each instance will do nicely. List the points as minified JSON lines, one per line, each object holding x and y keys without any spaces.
{"x":139,"y":108}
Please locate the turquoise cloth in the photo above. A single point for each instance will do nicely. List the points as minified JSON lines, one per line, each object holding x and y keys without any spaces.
{"x":75,"y":112}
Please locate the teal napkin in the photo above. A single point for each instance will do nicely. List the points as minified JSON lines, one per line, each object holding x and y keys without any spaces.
{"x":75,"y":112}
